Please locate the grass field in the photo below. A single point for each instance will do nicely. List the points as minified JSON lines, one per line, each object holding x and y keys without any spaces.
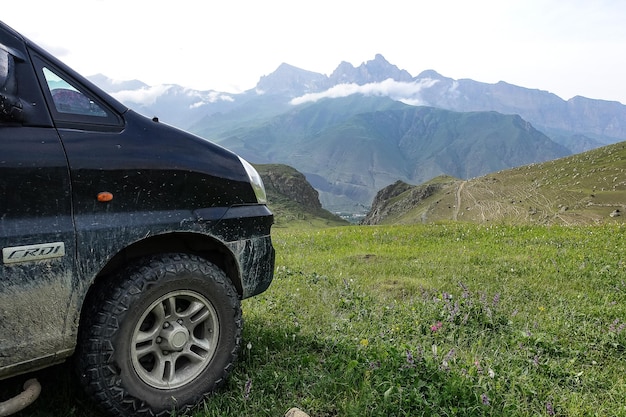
{"x":428,"y":320}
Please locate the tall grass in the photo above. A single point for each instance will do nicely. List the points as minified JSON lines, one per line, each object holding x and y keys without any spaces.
{"x":434,"y":320}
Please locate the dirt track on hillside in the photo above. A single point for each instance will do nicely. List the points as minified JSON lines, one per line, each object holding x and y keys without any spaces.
{"x":457,"y":201}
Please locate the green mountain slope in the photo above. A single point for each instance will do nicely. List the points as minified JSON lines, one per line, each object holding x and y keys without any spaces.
{"x":350,"y":148}
{"x":587,"y":188}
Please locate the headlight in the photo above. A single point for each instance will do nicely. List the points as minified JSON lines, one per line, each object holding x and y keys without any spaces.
{"x":255,"y":181}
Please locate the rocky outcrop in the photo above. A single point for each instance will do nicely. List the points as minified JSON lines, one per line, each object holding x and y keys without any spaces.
{"x":385,"y":204}
{"x":292,"y":184}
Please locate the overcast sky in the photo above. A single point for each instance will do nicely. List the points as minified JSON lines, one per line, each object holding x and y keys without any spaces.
{"x":568,"y":47}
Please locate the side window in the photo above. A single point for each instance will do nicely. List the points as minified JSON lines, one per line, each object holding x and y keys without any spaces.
{"x":73,"y":105}
{"x":68,"y":99}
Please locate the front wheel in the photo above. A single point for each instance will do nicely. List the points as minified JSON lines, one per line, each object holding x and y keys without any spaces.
{"x":161,"y":337}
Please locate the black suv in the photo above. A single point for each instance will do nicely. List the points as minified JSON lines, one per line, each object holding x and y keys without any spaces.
{"x":126,"y":243}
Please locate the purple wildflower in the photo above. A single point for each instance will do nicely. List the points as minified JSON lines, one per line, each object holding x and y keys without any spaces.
{"x":420,"y":353}
{"x":550,"y":409}
{"x":247,"y":389}
{"x":484,"y":399}
{"x":409,"y":358}
{"x":454,"y":311}
{"x":496,"y":299}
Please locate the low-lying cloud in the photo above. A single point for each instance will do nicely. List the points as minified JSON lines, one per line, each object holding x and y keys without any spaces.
{"x":211,"y":97}
{"x":407,"y":92}
{"x":148,"y":95}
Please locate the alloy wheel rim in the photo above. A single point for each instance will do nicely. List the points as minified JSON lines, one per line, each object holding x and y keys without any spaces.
{"x":175,"y":339}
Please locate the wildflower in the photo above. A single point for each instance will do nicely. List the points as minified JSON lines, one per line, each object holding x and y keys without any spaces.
{"x":444,"y":363}
{"x":484,"y":399}
{"x":435,"y":327}
{"x":491,"y":373}
{"x":613,"y":328}
{"x":364,"y":342}
{"x":454,"y":311}
{"x":409,"y":358}
{"x":550,"y":409}
{"x":247,"y":389}
{"x":496,"y":299}
{"x":478,"y":367}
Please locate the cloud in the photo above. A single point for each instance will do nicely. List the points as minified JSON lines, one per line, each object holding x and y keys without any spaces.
{"x":146,"y":95}
{"x":212,"y":97}
{"x":407,"y":92}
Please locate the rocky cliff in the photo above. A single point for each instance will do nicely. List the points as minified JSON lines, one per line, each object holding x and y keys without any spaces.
{"x":293,"y":200}
{"x":386,"y":204}
{"x":292,"y":184}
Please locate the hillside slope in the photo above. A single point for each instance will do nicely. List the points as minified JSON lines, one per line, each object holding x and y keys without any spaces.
{"x":587,"y":188}
{"x":294,"y":202}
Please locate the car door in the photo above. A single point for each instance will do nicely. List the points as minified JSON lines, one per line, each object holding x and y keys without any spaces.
{"x":37,"y":237}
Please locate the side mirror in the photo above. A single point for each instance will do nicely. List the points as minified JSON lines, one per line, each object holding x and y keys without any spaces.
{"x":4,"y":68}
{"x":10,"y":105}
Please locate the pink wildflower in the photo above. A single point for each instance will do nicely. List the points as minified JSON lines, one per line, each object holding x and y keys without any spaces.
{"x":437,"y":326}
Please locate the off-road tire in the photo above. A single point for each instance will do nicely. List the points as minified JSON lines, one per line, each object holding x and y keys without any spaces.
{"x":124,"y":312}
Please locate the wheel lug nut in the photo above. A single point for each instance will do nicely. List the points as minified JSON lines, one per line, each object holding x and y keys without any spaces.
{"x":179,"y":321}
{"x":166,"y":325}
{"x":159,"y":340}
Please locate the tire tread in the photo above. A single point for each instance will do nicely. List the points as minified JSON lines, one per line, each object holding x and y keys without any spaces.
{"x":97,"y":371}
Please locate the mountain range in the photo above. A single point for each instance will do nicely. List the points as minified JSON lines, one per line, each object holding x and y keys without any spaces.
{"x":362,"y":128}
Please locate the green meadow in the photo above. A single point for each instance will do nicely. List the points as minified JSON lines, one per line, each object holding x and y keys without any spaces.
{"x":445,"y":319}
